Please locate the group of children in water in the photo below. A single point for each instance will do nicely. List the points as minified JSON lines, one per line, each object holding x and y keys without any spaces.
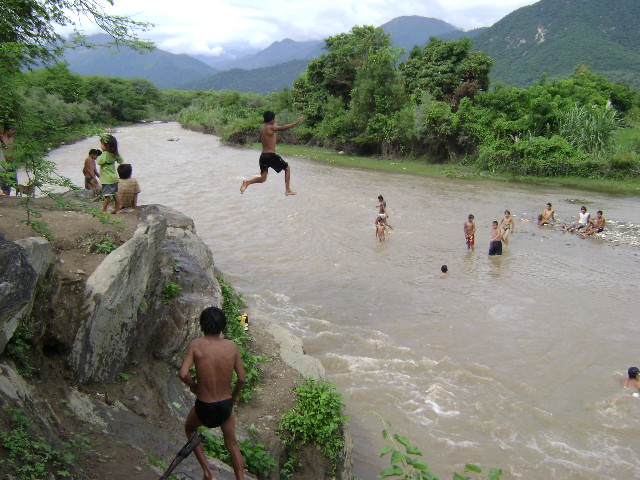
{"x":120,"y":186}
{"x":500,"y":231}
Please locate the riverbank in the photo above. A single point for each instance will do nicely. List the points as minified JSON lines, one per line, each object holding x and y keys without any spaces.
{"x":145,"y":407}
{"x":419,"y":167}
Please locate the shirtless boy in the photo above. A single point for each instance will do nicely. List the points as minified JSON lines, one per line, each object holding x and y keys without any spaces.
{"x":546,"y":217}
{"x":633,"y":380}
{"x":215,"y":359}
{"x":470,"y":233}
{"x":596,"y":225}
{"x":269,"y":158}
{"x":507,"y":223}
{"x":495,"y":247}
{"x":381,"y":228}
{"x":90,"y":170}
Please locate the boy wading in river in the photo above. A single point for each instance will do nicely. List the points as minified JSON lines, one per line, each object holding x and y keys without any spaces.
{"x":269,"y":157}
{"x":215,"y":359}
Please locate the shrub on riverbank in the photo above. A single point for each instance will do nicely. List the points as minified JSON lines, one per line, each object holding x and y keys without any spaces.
{"x":316,"y":418}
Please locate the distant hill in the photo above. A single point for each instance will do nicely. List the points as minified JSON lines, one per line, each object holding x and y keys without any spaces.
{"x":405,"y":32}
{"x":276,"y":53}
{"x":555,"y":36}
{"x":258,"y":80}
{"x":164,"y":69}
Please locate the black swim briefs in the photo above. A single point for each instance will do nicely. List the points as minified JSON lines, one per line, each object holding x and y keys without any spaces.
{"x":214,"y":414}
{"x":495,"y":248}
{"x":272,"y":160}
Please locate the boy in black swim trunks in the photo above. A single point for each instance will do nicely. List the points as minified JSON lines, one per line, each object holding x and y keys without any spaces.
{"x":269,"y":158}
{"x":215,"y":359}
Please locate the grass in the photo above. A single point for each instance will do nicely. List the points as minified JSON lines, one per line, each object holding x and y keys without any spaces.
{"x":420,"y":167}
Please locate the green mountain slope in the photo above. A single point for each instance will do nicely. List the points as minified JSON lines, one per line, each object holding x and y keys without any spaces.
{"x":555,"y":36}
{"x":164,"y":69}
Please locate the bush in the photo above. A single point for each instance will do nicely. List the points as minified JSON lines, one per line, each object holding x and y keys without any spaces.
{"x":232,"y":306}
{"x":317,"y":418}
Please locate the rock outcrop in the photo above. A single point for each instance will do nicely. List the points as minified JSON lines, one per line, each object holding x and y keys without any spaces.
{"x":126,"y":305}
{"x":22,"y":263}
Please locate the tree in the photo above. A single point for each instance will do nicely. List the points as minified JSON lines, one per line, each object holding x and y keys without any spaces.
{"x":28,"y":37}
{"x":448,"y":70}
{"x":333,"y":74}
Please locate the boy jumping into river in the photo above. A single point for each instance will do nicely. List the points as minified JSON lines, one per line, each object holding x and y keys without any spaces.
{"x":215,"y":359}
{"x":269,"y":158}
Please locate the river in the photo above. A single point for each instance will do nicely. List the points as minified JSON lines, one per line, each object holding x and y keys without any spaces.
{"x":512,"y":362}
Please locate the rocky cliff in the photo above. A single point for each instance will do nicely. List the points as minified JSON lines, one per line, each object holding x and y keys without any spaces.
{"x":109,"y":342}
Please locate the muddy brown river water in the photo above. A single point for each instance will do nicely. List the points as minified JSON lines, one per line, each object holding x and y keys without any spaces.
{"x":512,"y":362}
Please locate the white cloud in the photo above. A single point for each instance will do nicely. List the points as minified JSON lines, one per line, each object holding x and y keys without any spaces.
{"x":208,"y":26}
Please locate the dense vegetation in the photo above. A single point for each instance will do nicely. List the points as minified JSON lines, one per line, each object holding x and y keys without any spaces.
{"x":438,"y":105}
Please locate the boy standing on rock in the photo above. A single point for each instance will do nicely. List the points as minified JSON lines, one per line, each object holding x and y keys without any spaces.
{"x":215,"y":359}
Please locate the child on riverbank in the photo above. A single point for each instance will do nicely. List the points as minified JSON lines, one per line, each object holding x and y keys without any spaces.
{"x":90,"y":170}
{"x":128,"y":188}
{"x":107,"y":162}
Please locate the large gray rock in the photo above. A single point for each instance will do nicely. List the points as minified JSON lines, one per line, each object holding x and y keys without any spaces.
{"x":17,"y":284}
{"x":292,"y":352}
{"x":113,"y":294}
{"x":126,"y":310}
{"x":39,"y":253}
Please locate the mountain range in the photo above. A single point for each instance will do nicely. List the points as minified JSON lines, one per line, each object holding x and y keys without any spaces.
{"x":271,"y":69}
{"x":550,"y":36}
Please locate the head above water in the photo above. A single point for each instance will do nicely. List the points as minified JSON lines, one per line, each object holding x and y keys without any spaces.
{"x":583,"y":209}
{"x":380,"y":197}
{"x":213,"y":321}
{"x":599,"y":212}
{"x":495,"y":223}
{"x":95,"y":151}
{"x":268,"y":116}
{"x":633,"y":372}
{"x":507,"y":212}
{"x":549,"y":205}
{"x":444,"y":269}
{"x":471,"y":217}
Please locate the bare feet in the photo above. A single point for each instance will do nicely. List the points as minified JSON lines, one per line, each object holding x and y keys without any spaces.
{"x":289,"y":192}
{"x":244,"y":186}
{"x":115,"y":212}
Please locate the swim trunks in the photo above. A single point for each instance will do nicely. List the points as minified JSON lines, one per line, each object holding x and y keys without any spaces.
{"x":382,"y":216}
{"x":214,"y":414}
{"x":109,"y":189}
{"x":272,"y":160}
{"x":471,"y":239}
{"x":506,"y":228}
{"x":495,"y":248}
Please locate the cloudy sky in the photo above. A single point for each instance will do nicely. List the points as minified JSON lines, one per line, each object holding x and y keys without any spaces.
{"x":211,"y":27}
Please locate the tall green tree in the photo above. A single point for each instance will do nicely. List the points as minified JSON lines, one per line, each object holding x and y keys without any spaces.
{"x":447,"y":70}
{"x":28,"y":37}
{"x":333,"y":74}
